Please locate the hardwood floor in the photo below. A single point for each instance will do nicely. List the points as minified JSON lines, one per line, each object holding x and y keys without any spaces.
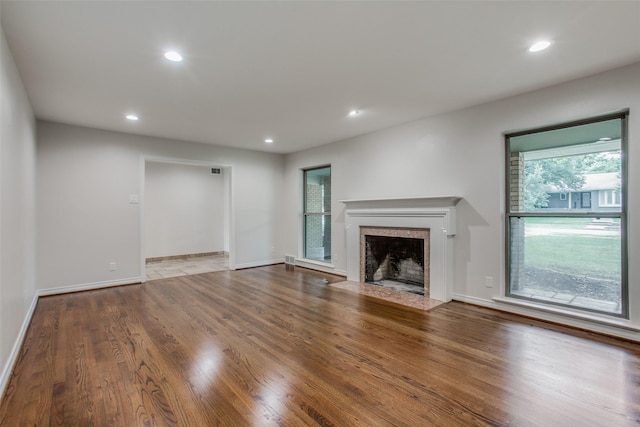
{"x":268,"y":346}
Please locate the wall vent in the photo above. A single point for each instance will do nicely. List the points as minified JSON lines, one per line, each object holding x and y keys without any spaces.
{"x":290,"y":259}
{"x":216,"y":171}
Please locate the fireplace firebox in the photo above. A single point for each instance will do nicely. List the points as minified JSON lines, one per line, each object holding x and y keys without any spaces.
{"x":396,"y":258}
{"x":396,"y":262}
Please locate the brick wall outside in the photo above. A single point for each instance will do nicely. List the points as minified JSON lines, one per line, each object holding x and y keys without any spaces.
{"x":318,"y":238}
{"x":516,"y":201}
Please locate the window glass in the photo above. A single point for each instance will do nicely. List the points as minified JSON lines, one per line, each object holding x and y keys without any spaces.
{"x":317,"y":214}
{"x":565,"y":222}
{"x":568,"y":261}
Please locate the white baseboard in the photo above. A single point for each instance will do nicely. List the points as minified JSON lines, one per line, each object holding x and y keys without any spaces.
{"x":613,"y":327}
{"x":17,"y":345}
{"x":259,"y":263}
{"x":88,"y":286}
{"x":320,"y":266}
{"x":473,"y":300}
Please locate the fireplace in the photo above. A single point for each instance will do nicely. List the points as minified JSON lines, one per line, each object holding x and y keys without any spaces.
{"x":434,"y":217}
{"x":396,"y":258}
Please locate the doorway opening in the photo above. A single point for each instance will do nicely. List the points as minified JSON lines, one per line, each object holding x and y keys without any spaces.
{"x":186,"y":218}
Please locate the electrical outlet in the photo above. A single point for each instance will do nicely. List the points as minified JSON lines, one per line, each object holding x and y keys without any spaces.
{"x":488,"y":281}
{"x":113,"y":266}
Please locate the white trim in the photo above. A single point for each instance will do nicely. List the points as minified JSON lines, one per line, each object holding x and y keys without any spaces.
{"x":259,"y":263}
{"x":141,"y":225}
{"x":231,"y":191}
{"x":89,"y":286}
{"x":320,"y":266}
{"x":620,"y":328}
{"x":17,"y":345}
{"x":472,"y":300}
{"x":315,"y":262}
{"x":428,"y":201}
{"x":447,"y":214}
{"x":182,"y":161}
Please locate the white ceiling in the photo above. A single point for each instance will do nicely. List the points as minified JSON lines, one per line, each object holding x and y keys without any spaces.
{"x":293,"y":70}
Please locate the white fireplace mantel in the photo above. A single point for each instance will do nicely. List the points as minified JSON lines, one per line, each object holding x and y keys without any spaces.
{"x":435,"y":213}
{"x":439,"y":201}
{"x":407,"y":207}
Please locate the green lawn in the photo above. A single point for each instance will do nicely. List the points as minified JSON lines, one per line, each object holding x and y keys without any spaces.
{"x":594,"y":256}
{"x":558,"y":222}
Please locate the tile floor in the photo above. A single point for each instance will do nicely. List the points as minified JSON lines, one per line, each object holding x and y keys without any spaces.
{"x":186,"y":266}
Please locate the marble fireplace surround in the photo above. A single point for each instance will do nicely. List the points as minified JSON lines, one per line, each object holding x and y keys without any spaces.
{"x":438,"y":214}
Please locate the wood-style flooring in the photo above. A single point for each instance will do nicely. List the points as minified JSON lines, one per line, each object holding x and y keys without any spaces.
{"x":270,"y":346}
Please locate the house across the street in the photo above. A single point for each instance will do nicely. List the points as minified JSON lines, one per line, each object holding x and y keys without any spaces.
{"x":600,"y":192}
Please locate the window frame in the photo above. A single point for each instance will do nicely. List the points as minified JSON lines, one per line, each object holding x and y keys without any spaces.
{"x":622,"y":115}
{"x":305,"y":214}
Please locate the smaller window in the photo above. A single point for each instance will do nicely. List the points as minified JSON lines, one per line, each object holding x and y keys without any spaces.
{"x":609,"y":198}
{"x":563,"y":196}
{"x":317,"y":214}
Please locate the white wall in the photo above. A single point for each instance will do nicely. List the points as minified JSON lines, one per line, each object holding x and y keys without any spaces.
{"x":462,"y":154}
{"x":17,"y":209}
{"x":183,"y":209}
{"x":85,"y":220}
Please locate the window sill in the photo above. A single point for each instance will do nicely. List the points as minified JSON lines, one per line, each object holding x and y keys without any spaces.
{"x":617,"y":322}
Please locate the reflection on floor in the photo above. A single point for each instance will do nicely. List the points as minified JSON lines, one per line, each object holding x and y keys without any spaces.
{"x":186,"y":266}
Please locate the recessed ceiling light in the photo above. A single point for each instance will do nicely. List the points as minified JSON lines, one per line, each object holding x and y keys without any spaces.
{"x":268,"y":141}
{"x":605,"y":138}
{"x":538,"y":46}
{"x":353,"y":113}
{"x":132,"y":117}
{"x":173,"y":56}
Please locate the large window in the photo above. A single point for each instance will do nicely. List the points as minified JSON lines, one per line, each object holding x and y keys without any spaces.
{"x":566,"y":215}
{"x":317,"y":214}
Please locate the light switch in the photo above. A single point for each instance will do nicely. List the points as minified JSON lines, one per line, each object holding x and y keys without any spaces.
{"x":133,"y":198}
